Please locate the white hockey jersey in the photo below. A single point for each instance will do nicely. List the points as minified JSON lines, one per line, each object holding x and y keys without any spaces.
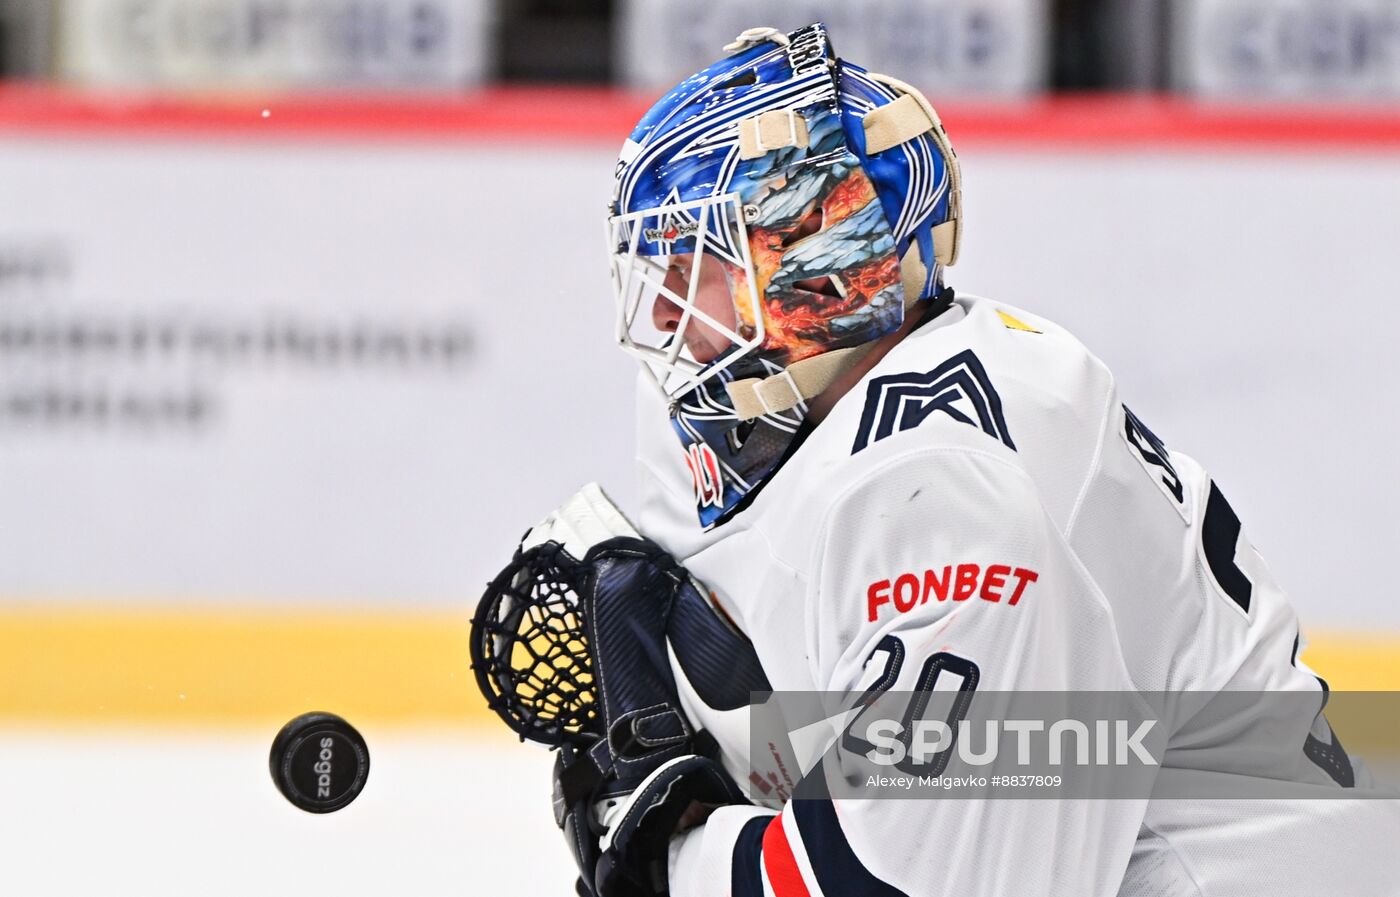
{"x":984,"y":492}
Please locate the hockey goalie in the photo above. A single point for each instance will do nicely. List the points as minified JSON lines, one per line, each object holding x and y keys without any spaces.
{"x":856,"y":481}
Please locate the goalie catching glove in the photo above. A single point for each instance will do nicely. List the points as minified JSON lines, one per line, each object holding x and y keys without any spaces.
{"x":569,"y":647}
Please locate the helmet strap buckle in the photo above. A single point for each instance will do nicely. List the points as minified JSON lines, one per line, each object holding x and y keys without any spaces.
{"x":772,"y":130}
{"x":765,"y":390}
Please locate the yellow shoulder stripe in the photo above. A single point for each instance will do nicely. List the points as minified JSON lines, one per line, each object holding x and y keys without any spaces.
{"x":1015,"y":323}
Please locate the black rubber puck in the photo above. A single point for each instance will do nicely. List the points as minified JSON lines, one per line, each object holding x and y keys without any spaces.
{"x":319,"y":762}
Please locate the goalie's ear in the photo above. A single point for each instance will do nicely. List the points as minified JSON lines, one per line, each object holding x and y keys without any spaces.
{"x":584,"y":520}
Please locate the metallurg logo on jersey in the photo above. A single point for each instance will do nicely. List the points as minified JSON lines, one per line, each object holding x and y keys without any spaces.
{"x":959,"y":389}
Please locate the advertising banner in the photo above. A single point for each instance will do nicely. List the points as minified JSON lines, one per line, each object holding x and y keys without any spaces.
{"x":297,"y":373}
{"x":230,"y":44}
{"x":1289,"y":49}
{"x":958,"y":47}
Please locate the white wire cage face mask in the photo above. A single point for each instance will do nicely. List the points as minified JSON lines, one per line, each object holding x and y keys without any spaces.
{"x":690,"y":262}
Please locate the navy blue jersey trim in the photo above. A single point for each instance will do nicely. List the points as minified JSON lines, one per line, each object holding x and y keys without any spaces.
{"x":745,"y":868}
{"x":1154,"y":452}
{"x":838,"y":869}
{"x":1220,"y":533}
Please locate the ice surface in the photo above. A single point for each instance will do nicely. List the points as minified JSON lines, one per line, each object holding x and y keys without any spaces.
{"x":150,"y":813}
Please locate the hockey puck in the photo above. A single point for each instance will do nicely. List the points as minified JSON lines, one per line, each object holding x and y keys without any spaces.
{"x":319,"y":762}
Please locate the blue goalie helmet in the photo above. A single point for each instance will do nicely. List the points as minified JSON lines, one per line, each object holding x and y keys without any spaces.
{"x":772,"y":217}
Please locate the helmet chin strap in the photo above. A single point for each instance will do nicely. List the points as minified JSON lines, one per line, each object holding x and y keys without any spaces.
{"x":756,"y":396}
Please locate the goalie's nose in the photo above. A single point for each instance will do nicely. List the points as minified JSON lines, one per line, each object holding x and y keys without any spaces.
{"x":665,"y":314}
{"x":711,"y":299}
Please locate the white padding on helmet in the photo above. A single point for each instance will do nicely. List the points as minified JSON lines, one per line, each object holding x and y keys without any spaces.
{"x":755,"y":36}
{"x":895,"y":123}
{"x":771,"y":130}
{"x":903,"y":120}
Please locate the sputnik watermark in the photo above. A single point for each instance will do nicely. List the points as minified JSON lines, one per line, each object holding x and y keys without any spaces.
{"x":952,"y":740}
{"x":1110,"y":744}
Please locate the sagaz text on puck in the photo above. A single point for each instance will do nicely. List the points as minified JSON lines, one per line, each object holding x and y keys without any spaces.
{"x":319,"y":762}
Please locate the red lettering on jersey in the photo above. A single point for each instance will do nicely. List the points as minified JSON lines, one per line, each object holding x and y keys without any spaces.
{"x":994,"y":580}
{"x":966,"y":585}
{"x":906,"y":583}
{"x":876,"y":595}
{"x":1024,"y":578}
{"x":704,"y":475}
{"x":938,"y":586}
{"x":909,"y":590}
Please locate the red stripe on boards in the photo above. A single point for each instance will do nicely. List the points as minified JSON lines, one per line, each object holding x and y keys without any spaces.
{"x":557,"y":116}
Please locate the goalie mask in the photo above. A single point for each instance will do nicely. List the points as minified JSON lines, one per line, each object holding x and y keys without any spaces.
{"x":768,"y":223}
